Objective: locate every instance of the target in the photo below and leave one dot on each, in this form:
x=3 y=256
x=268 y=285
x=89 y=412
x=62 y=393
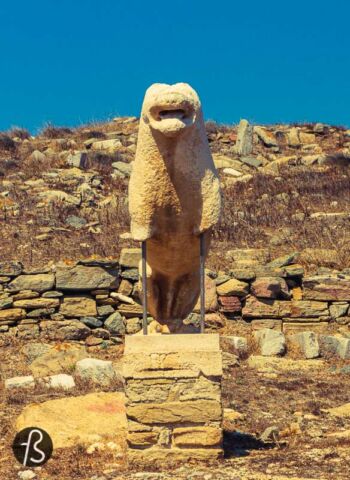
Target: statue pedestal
x=173 y=390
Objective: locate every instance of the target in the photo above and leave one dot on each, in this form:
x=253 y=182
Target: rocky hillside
x=63 y=193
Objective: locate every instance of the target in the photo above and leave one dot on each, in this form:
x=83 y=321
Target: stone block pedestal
x=173 y=397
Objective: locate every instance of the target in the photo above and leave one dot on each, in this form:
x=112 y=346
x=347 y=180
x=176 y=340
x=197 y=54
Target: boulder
x=307 y=342
x=98 y=372
x=82 y=420
x=338 y=346
x=271 y=342
x=77 y=159
x=61 y=381
x=38 y=283
x=111 y=146
x=18 y=383
x=122 y=169
x=293 y=137
x=267 y=137
x=244 y=144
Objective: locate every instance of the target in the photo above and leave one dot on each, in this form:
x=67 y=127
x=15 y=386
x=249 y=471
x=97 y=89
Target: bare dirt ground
x=309 y=443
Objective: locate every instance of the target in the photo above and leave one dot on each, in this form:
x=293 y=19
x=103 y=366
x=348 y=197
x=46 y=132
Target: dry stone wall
x=98 y=300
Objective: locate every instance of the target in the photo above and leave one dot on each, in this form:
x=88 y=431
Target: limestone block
x=197 y=437
x=173 y=159
x=172 y=365
x=165 y=389
x=196 y=411
x=171 y=344
x=142 y=439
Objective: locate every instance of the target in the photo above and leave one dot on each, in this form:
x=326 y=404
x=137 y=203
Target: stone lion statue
x=174 y=196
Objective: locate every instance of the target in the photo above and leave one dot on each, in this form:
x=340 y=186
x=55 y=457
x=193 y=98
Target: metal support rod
x=144 y=289
x=202 y=280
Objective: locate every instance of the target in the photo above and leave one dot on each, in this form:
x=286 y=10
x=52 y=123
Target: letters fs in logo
x=32 y=447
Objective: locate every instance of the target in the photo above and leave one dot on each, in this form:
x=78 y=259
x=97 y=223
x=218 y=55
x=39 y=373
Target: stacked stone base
x=173 y=390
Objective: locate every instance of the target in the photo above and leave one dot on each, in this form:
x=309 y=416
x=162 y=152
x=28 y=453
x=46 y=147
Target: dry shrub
x=340 y=159
x=6 y=143
x=17 y=132
x=50 y=131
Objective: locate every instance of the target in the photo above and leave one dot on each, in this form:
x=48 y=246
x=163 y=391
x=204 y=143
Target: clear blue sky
x=73 y=61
